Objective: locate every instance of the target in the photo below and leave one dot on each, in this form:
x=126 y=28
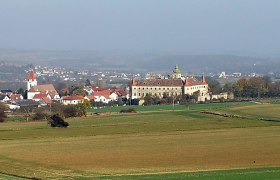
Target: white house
x=4 y=98
x=13 y=106
x=66 y=100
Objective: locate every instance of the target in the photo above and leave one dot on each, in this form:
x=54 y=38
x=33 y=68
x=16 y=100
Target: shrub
x=70 y=111
x=57 y=121
x=3 y=115
x=40 y=114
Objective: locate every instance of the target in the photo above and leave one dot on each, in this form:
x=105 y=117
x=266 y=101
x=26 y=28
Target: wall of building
x=141 y=91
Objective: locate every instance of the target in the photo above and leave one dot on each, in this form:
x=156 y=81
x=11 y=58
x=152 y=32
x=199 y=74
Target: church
x=45 y=92
x=176 y=85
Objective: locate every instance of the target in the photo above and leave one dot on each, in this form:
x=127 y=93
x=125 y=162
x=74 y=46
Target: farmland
x=156 y=142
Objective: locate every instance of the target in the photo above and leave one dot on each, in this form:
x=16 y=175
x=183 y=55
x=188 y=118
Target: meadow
x=156 y=142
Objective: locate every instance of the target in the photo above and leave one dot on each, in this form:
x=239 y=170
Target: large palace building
x=175 y=86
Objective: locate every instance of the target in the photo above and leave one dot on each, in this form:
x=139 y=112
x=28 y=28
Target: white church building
x=45 y=92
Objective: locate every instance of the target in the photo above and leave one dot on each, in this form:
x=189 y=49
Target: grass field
x=256 y=174
x=158 y=108
x=150 y=144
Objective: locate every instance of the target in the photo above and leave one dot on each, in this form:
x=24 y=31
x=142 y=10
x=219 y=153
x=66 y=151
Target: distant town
x=72 y=86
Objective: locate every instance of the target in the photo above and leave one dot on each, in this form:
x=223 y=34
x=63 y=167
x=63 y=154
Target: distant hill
x=142 y=62
x=212 y=63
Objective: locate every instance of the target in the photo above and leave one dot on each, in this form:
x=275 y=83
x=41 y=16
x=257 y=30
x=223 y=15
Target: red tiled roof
x=43 y=88
x=40 y=96
x=118 y=93
x=160 y=82
x=189 y=81
x=46 y=100
x=105 y=93
x=192 y=81
x=70 y=98
x=15 y=97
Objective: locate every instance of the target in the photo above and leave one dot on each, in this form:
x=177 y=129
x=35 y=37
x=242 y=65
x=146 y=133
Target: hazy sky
x=192 y=26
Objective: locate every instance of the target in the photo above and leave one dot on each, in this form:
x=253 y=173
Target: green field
x=156 y=143
x=260 y=173
x=176 y=107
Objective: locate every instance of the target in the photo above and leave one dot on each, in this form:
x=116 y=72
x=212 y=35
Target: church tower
x=31 y=79
x=176 y=73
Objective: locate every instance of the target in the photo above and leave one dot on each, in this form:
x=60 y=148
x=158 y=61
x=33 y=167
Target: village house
x=4 y=98
x=16 y=97
x=72 y=100
x=106 y=95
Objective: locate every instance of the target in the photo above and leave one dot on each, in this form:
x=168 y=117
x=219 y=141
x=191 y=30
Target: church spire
x=203 y=80
x=31 y=79
x=176 y=72
x=31 y=75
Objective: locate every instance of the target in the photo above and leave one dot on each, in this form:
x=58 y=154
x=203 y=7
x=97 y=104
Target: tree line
x=254 y=87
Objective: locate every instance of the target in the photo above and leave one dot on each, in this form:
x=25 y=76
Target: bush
x=128 y=110
x=70 y=111
x=57 y=121
x=40 y=114
x=3 y=115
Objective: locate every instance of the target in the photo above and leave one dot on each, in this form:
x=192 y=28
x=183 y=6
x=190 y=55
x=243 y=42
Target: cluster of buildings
x=68 y=75
x=46 y=93
x=10 y=98
x=172 y=85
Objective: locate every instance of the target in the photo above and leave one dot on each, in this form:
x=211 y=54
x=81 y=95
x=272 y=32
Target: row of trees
x=254 y=87
x=44 y=113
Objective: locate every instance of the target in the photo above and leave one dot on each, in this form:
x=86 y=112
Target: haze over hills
x=142 y=62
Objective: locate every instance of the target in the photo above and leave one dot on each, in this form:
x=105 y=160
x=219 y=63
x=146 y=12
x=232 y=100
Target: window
x=139 y=94
x=143 y=88
x=155 y=88
x=134 y=88
x=159 y=88
x=134 y=94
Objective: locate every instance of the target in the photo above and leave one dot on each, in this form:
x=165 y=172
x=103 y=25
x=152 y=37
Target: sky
x=247 y=27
